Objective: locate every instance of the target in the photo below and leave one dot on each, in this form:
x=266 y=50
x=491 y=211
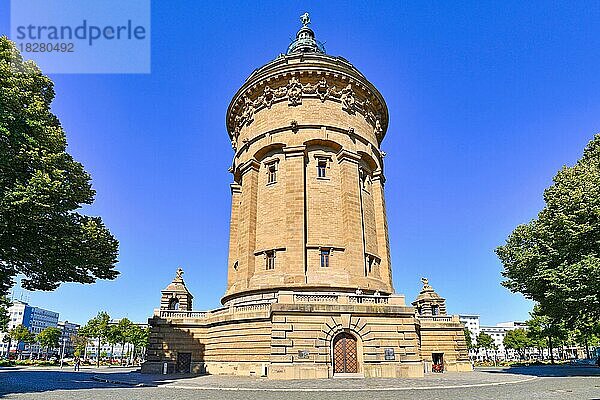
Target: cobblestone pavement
x=546 y=383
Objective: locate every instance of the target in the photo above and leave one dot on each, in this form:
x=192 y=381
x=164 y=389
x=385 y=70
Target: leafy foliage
x=49 y=337
x=79 y=343
x=484 y=341
x=41 y=186
x=4 y=316
x=516 y=339
x=97 y=328
x=555 y=259
x=468 y=339
x=545 y=331
x=21 y=334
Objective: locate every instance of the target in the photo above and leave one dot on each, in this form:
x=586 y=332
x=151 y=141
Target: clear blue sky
x=487 y=101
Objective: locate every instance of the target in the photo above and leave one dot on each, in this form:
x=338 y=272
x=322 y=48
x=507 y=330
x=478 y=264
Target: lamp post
x=62 y=352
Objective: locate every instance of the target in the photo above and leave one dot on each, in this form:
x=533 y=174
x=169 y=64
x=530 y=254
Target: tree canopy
x=49 y=337
x=21 y=334
x=516 y=339
x=555 y=259
x=4 y=316
x=485 y=341
x=97 y=327
x=41 y=186
x=468 y=339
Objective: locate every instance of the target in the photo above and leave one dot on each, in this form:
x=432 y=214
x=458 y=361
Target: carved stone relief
x=295 y=90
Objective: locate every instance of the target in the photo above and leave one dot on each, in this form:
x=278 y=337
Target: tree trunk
x=10 y=344
x=122 y=352
x=112 y=352
x=587 y=348
x=551 y=349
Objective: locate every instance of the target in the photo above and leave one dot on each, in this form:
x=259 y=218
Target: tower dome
x=305 y=39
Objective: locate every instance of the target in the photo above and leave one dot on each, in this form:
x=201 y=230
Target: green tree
x=544 y=330
x=79 y=343
x=139 y=339
x=113 y=336
x=41 y=186
x=21 y=334
x=486 y=342
x=516 y=340
x=125 y=328
x=49 y=338
x=468 y=339
x=4 y=316
x=7 y=339
x=555 y=259
x=97 y=328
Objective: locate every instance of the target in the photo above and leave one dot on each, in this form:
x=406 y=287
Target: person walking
x=77 y=363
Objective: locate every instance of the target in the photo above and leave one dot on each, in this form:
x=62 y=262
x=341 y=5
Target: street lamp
x=62 y=351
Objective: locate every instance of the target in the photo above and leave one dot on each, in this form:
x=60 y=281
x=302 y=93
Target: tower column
x=383 y=240
x=236 y=194
x=247 y=225
x=295 y=215
x=354 y=253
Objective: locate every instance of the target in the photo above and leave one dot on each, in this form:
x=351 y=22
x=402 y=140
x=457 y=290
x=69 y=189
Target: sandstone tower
x=309 y=291
x=308 y=209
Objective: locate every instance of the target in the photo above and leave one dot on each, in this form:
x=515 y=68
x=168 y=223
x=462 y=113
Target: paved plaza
x=546 y=382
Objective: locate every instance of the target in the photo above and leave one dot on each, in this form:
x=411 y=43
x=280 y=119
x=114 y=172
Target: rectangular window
x=271 y=173
x=270 y=260
x=324 y=258
x=370 y=261
x=321 y=168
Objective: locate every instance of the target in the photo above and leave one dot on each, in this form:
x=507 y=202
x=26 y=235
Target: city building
x=67 y=331
x=497 y=332
x=309 y=289
x=35 y=319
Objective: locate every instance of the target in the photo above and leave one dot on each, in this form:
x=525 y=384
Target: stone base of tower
x=299 y=335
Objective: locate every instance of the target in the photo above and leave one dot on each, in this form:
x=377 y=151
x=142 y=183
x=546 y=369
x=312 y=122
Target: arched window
x=174 y=304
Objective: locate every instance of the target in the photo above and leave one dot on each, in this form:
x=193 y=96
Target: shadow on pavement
x=30 y=380
x=556 y=371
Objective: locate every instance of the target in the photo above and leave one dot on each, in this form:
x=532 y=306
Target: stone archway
x=345 y=354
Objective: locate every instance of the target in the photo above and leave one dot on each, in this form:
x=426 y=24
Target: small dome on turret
x=305 y=39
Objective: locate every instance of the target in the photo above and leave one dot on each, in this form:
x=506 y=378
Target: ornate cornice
x=297 y=77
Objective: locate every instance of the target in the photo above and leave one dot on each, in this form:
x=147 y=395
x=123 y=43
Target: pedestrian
x=77 y=363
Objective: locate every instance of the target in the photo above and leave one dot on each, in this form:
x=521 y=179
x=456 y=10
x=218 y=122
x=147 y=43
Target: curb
x=369 y=389
x=117 y=382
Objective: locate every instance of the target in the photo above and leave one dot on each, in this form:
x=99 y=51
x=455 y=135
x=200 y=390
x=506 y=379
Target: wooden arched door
x=345 y=357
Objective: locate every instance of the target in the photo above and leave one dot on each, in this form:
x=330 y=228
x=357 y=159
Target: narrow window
x=325 y=258
x=271 y=173
x=270 y=260
x=321 y=168
x=435 y=310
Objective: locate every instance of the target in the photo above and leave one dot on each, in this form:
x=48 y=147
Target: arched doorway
x=345 y=355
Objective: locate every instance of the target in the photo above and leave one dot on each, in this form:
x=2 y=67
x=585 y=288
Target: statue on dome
x=305 y=18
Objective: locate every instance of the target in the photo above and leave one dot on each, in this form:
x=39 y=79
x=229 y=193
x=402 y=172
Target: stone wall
x=444 y=334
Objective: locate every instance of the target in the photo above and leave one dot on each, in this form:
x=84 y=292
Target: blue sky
x=487 y=101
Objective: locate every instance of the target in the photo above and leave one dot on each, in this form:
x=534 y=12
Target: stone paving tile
x=550 y=383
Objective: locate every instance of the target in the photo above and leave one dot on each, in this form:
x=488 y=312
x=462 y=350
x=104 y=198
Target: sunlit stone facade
x=309 y=292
